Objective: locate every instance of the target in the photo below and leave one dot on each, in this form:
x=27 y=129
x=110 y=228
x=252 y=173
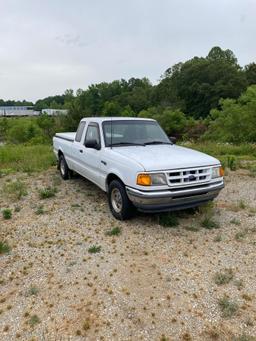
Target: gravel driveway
x=67 y=278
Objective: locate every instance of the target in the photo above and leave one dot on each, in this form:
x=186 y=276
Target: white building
x=14 y=111
x=54 y=112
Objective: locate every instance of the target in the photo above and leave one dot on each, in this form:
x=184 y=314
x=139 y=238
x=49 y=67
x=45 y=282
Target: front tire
x=119 y=203
x=63 y=168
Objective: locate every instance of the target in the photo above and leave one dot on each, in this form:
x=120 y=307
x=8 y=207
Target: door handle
x=81 y=151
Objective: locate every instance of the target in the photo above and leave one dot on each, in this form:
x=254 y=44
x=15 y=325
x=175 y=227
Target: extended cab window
x=79 y=132
x=93 y=133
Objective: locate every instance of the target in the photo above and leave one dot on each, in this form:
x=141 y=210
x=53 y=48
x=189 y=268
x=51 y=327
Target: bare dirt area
x=73 y=272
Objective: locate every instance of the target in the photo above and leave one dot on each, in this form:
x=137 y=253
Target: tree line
x=205 y=97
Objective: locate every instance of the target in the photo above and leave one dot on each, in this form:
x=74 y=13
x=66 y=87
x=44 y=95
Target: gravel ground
x=148 y=283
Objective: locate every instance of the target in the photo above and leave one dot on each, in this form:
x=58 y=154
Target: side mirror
x=172 y=139
x=92 y=144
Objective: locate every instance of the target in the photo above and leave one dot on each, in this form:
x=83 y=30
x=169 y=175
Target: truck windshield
x=133 y=132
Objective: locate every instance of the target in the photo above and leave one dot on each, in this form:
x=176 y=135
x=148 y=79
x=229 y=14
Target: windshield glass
x=133 y=132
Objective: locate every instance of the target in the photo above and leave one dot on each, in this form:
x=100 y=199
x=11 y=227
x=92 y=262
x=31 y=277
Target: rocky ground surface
x=149 y=282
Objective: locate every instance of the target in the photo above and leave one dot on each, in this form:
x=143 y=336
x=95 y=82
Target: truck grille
x=189 y=176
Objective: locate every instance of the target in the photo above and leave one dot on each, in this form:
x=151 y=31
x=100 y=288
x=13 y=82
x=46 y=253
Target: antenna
x=111 y=125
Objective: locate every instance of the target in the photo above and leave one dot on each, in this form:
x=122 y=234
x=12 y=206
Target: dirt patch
x=147 y=283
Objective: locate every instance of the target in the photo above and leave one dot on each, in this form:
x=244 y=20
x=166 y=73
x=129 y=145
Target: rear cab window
x=80 y=131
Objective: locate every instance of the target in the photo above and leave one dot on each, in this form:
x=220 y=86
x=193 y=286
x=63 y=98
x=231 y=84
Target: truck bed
x=70 y=136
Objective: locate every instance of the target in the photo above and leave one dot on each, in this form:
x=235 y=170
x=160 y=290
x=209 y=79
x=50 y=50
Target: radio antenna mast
x=111 y=126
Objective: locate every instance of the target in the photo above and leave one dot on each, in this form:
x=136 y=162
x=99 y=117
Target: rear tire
x=63 y=168
x=119 y=203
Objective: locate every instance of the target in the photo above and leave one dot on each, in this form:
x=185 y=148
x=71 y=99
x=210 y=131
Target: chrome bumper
x=171 y=200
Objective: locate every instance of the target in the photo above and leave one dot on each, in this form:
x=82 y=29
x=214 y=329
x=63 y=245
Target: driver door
x=90 y=158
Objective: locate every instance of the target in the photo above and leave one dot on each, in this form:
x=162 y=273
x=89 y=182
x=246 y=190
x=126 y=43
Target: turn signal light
x=144 y=179
x=222 y=171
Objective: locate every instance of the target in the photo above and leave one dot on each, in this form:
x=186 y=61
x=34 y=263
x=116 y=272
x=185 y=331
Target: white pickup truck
x=137 y=165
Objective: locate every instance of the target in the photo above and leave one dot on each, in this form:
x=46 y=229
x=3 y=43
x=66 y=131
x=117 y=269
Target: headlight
x=217 y=172
x=156 y=179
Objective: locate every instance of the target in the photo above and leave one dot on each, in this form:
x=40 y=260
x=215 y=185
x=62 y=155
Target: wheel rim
x=116 y=200
x=62 y=167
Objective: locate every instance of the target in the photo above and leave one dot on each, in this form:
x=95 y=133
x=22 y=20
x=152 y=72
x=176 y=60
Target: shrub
x=47 y=192
x=228 y=307
x=209 y=223
x=224 y=277
x=7 y=213
x=34 y=319
x=15 y=189
x=232 y=163
x=94 y=249
x=4 y=248
x=168 y=220
x=115 y=231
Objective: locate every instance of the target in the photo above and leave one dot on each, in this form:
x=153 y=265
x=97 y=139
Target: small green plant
x=115 y=231
x=4 y=248
x=239 y=284
x=232 y=163
x=218 y=238
x=168 y=220
x=224 y=277
x=15 y=189
x=244 y=337
x=228 y=307
x=47 y=192
x=242 y=204
x=94 y=249
x=40 y=210
x=209 y=223
x=7 y=213
x=34 y=319
x=192 y=227
x=235 y=221
x=33 y=291
x=240 y=235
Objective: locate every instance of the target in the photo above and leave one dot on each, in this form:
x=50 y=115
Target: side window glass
x=92 y=134
x=79 y=132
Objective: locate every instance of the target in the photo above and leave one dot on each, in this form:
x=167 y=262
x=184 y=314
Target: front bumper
x=171 y=200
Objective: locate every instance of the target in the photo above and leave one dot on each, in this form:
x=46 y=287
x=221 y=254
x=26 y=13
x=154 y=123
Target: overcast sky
x=51 y=45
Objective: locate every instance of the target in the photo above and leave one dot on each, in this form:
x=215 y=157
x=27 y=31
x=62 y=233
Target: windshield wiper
x=126 y=144
x=157 y=142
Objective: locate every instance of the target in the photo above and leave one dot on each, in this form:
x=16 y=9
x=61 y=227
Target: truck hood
x=166 y=157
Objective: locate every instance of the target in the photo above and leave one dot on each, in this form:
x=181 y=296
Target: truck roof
x=102 y=119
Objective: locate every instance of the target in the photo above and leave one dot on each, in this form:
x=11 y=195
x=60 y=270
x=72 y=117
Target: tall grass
x=25 y=158
x=220 y=150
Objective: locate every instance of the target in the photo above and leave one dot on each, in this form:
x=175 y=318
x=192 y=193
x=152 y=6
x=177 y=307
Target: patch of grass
x=47 y=192
x=232 y=163
x=7 y=213
x=242 y=205
x=34 y=320
x=15 y=189
x=4 y=248
x=209 y=223
x=228 y=307
x=224 y=277
x=40 y=210
x=240 y=235
x=168 y=220
x=115 y=231
x=235 y=221
x=245 y=151
x=244 y=337
x=94 y=249
x=26 y=158
x=33 y=291
x=218 y=238
x=193 y=228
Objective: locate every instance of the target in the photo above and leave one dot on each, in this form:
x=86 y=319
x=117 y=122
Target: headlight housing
x=154 y=179
x=217 y=172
